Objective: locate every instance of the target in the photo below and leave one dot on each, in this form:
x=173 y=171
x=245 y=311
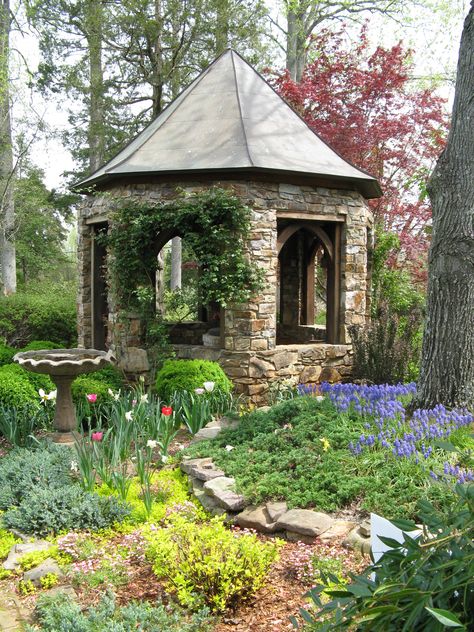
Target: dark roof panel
x=230 y=118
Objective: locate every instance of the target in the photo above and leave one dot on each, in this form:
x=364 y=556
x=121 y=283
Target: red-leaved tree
x=367 y=107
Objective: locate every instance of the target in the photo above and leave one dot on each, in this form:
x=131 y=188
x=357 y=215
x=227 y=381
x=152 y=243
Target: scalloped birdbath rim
x=67 y=362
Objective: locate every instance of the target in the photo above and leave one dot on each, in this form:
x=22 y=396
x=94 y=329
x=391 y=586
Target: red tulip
x=97 y=436
x=166 y=411
x=91 y=398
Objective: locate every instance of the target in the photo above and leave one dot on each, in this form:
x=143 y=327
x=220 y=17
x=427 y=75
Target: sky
x=433 y=35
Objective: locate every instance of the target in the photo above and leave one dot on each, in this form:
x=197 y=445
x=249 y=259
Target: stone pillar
x=354 y=272
x=252 y=326
x=84 y=298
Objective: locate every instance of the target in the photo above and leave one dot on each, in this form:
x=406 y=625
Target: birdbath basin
x=63 y=366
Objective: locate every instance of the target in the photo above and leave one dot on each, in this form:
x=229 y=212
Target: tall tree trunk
x=94 y=25
x=447 y=369
x=222 y=26
x=296 y=45
x=176 y=248
x=7 y=208
x=157 y=76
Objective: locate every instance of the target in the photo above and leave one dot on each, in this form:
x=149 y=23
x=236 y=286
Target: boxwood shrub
x=39 y=345
x=86 y=384
x=6 y=354
x=186 y=375
x=16 y=389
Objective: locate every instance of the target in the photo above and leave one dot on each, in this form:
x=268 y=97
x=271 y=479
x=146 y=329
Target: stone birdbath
x=63 y=366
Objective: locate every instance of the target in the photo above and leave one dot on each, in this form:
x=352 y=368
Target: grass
x=298 y=452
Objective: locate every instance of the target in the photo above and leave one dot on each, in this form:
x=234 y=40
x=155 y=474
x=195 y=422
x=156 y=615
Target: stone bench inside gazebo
x=311 y=231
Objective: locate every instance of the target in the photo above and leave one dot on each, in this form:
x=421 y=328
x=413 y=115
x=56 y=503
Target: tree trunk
x=94 y=24
x=296 y=46
x=176 y=247
x=157 y=75
x=222 y=26
x=447 y=368
x=7 y=209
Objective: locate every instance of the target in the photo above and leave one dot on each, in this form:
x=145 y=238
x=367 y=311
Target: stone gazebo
x=311 y=228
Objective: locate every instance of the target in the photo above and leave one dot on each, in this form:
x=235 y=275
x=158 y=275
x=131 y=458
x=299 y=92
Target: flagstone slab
x=256 y=518
x=305 y=522
x=223 y=489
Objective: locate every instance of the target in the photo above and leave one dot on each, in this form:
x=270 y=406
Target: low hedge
x=186 y=375
x=16 y=389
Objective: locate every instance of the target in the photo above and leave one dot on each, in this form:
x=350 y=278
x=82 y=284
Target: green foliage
x=280 y=455
x=216 y=225
x=39 y=497
x=110 y=375
x=186 y=375
x=60 y=613
x=26 y=587
x=391 y=285
x=6 y=354
x=169 y=489
x=49 y=580
x=7 y=540
x=41 y=232
x=422 y=584
x=45 y=313
x=4 y=574
x=209 y=563
x=35 y=558
x=18 y=425
x=23 y=470
x=40 y=345
x=49 y=511
x=85 y=385
x=16 y=390
x=387 y=350
x=37 y=380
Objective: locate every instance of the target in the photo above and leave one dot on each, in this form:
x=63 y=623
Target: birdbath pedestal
x=63 y=366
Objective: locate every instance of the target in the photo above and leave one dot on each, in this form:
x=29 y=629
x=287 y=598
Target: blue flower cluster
x=388 y=426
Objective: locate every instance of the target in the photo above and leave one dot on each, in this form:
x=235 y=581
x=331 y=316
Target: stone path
x=217 y=494
x=11 y=613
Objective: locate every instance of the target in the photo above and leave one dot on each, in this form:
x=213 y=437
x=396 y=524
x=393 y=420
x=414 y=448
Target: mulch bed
x=270 y=609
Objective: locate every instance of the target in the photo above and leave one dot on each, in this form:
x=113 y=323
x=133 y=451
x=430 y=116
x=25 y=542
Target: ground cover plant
x=353 y=447
x=60 y=613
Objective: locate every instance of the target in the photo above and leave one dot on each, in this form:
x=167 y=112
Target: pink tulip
x=97 y=436
x=91 y=398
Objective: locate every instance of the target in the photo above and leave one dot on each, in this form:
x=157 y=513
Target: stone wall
x=250 y=355
x=254 y=373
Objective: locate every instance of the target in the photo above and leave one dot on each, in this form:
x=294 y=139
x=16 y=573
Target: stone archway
x=297 y=245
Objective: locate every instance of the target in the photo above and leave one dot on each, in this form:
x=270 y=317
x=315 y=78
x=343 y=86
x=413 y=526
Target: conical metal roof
x=230 y=119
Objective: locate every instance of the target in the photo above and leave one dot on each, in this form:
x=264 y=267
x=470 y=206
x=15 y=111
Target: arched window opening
x=308 y=295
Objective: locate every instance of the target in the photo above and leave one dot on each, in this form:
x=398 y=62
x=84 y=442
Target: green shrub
x=40 y=345
x=48 y=511
x=60 y=613
x=84 y=385
x=387 y=350
x=23 y=470
x=209 y=563
x=37 y=380
x=110 y=375
x=422 y=584
x=7 y=540
x=6 y=354
x=16 y=389
x=43 y=316
x=186 y=375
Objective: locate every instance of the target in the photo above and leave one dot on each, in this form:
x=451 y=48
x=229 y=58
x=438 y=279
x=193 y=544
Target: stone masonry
x=249 y=354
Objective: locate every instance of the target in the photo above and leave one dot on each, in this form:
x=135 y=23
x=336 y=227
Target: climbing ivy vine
x=216 y=225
